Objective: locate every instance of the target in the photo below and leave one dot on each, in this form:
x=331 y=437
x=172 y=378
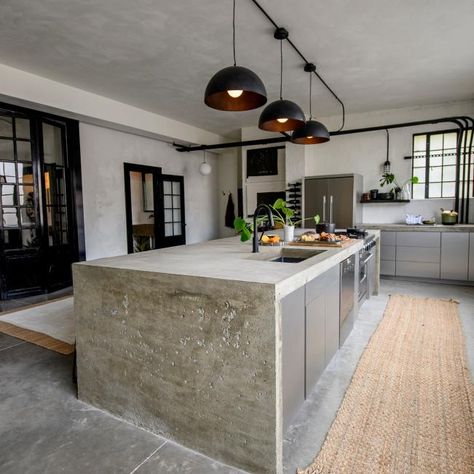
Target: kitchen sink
x=287 y=255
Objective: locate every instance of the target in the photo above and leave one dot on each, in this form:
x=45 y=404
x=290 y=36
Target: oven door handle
x=364 y=262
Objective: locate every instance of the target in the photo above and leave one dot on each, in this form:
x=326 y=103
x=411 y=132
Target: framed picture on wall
x=262 y=162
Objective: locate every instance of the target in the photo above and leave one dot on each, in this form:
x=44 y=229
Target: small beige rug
x=409 y=407
x=49 y=324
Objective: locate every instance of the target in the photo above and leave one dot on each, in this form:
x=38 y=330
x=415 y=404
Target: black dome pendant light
x=281 y=115
x=235 y=88
x=313 y=132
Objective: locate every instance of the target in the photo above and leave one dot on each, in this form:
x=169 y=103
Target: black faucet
x=260 y=207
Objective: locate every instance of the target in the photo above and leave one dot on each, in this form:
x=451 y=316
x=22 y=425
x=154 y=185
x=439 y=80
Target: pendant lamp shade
x=235 y=88
x=281 y=116
x=311 y=133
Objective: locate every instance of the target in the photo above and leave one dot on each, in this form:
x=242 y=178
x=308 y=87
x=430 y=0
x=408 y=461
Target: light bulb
x=282 y=120
x=205 y=168
x=309 y=137
x=235 y=93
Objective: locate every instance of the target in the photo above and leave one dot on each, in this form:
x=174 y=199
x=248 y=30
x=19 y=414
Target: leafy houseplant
x=285 y=215
x=389 y=178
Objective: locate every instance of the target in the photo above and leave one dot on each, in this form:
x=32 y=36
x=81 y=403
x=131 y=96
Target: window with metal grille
x=434 y=163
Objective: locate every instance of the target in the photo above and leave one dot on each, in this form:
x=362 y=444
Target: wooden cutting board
x=323 y=243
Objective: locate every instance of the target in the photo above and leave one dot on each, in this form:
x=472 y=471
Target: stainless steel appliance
x=347 y=300
x=366 y=269
x=336 y=196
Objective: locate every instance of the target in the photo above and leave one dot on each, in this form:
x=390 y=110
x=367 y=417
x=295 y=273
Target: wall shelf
x=385 y=201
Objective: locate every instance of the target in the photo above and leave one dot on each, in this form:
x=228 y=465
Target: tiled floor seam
x=14 y=345
x=149 y=457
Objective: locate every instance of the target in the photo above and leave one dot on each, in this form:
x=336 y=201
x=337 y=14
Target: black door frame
x=157 y=198
x=73 y=185
x=178 y=239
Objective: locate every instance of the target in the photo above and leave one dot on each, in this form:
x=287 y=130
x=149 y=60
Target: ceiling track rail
x=300 y=54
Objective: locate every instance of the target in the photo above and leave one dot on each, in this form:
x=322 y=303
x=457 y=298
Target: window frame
x=427 y=166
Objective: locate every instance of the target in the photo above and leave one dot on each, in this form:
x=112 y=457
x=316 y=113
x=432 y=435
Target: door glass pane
x=26 y=195
x=29 y=238
x=176 y=202
x=177 y=229
x=23 y=151
x=168 y=215
x=143 y=219
x=7 y=173
x=8 y=194
x=6 y=150
x=10 y=217
x=22 y=128
x=168 y=202
x=168 y=230
x=52 y=145
x=27 y=216
x=177 y=215
x=6 y=129
x=167 y=187
x=176 y=188
x=25 y=173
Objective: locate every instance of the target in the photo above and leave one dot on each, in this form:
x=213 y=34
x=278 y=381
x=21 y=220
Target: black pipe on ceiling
x=300 y=54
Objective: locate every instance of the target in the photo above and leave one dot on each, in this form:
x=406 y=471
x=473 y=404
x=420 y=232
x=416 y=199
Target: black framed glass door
x=39 y=235
x=154 y=205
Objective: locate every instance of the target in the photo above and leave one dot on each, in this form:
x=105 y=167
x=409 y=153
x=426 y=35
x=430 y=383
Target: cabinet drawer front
x=315 y=287
x=418 y=269
x=418 y=254
x=388 y=238
x=419 y=239
x=387 y=267
x=387 y=252
x=455 y=255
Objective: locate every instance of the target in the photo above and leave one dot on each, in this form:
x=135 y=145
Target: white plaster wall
x=23 y=88
x=227 y=166
x=103 y=152
x=364 y=153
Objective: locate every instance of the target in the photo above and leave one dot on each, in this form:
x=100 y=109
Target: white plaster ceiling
x=159 y=54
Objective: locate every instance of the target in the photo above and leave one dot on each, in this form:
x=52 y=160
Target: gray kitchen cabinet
x=454 y=255
x=418 y=254
x=471 y=257
x=293 y=353
x=322 y=324
x=388 y=251
x=388 y=238
x=419 y=239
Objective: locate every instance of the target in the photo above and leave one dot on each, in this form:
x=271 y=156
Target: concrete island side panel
x=189 y=358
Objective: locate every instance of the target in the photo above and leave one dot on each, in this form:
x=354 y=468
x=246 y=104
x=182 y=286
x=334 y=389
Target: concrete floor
x=44 y=428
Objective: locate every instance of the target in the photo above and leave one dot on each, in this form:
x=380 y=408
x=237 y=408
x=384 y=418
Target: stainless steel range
x=355 y=273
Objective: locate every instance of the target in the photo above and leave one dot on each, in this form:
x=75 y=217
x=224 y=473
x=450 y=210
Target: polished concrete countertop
x=231 y=260
x=419 y=227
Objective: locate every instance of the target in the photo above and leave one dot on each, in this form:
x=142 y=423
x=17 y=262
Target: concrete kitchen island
x=187 y=342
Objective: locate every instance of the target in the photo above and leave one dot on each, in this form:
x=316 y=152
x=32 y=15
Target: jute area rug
x=409 y=407
x=49 y=324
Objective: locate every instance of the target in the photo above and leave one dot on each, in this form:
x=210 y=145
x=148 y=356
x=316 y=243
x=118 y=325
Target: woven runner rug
x=409 y=407
x=49 y=324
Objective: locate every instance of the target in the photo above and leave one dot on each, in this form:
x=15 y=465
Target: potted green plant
x=400 y=190
x=283 y=214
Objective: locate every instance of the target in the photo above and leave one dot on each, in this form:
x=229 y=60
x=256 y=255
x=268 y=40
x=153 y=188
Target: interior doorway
x=41 y=224
x=154 y=205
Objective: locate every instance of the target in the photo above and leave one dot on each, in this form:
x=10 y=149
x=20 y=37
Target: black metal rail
x=300 y=54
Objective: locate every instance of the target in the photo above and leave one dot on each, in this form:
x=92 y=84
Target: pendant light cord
x=281 y=69
x=388 y=142
x=233 y=30
x=310 y=95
